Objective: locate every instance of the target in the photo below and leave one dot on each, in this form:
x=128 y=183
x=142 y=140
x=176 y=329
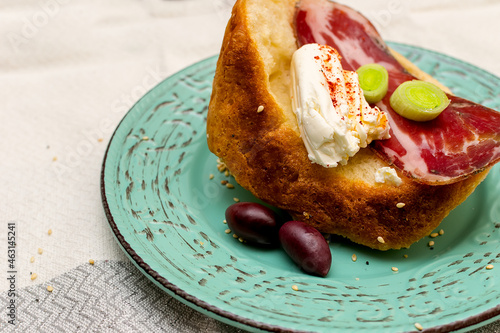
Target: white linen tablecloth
x=69 y=71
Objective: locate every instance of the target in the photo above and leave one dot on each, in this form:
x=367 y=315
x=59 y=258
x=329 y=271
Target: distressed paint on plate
x=167 y=214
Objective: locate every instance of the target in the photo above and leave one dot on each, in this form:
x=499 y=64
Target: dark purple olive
x=253 y=222
x=307 y=247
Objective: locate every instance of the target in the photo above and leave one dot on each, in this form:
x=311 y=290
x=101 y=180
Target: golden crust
x=266 y=155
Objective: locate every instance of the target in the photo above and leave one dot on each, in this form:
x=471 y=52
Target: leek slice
x=374 y=80
x=419 y=100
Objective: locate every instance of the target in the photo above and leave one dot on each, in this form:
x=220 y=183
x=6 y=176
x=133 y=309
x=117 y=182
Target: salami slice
x=464 y=139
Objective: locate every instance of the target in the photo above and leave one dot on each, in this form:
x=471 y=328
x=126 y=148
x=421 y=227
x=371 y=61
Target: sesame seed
x=441 y=232
x=211 y=176
x=32 y=259
x=50 y=289
x=380 y=239
x=236 y=200
x=33 y=276
x=100 y=139
x=241 y=240
x=145 y=138
x=40 y=251
x=294 y=287
x=260 y=108
x=354 y=257
x=418 y=326
x=229 y=185
x=235 y=236
x=490 y=266
x=434 y=235
x=394 y=269
x=400 y=204
x=223 y=182
x=227 y=231
x=221 y=166
x=431 y=243
x=91 y=261
x=49 y=232
x=225 y=222
x=226 y=173
x=405 y=256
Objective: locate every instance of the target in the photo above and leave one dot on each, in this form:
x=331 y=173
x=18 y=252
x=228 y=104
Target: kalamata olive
x=253 y=222
x=306 y=246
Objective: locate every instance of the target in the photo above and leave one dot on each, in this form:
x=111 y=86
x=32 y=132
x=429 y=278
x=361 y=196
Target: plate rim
x=215 y=311
x=443 y=55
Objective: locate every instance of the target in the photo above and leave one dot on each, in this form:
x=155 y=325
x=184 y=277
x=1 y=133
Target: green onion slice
x=374 y=80
x=419 y=100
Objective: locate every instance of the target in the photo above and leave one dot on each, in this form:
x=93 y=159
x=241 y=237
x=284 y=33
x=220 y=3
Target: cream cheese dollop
x=387 y=175
x=334 y=119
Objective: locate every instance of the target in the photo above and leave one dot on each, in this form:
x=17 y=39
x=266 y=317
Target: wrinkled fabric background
x=69 y=71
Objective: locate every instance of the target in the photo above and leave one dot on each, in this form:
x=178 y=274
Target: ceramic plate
x=168 y=214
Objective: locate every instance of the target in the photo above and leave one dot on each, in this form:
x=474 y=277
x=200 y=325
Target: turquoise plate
x=168 y=214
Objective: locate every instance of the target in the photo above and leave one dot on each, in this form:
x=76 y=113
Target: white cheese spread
x=334 y=119
x=387 y=175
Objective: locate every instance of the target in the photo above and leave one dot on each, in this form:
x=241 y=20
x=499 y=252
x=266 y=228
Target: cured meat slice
x=463 y=140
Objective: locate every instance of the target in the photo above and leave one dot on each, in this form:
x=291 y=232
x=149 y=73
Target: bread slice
x=266 y=155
